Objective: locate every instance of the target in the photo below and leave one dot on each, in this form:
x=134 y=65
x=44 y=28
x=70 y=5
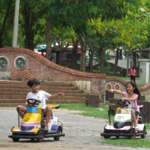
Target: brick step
x=16 y=95
x=4 y=100
x=16 y=91
x=24 y=93
x=22 y=84
x=52 y=102
x=67 y=93
x=46 y=89
x=24 y=96
x=22 y=102
x=41 y=87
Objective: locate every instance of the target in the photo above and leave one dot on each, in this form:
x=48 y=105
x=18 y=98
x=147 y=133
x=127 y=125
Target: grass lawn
x=126 y=79
x=101 y=112
x=123 y=78
x=128 y=142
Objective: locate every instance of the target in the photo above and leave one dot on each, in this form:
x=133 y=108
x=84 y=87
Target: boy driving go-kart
x=38 y=120
x=40 y=95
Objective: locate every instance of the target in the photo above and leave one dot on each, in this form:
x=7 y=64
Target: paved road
x=81 y=133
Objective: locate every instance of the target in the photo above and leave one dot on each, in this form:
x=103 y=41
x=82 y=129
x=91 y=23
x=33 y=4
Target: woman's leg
x=131 y=78
x=134 y=78
x=134 y=118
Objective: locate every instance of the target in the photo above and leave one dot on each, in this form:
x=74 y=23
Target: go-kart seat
x=140 y=107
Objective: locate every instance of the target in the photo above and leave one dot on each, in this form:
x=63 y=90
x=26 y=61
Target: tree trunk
x=101 y=56
x=134 y=59
x=127 y=63
x=83 y=48
x=74 y=55
x=48 y=39
x=28 y=25
x=91 y=61
x=4 y=21
x=116 y=62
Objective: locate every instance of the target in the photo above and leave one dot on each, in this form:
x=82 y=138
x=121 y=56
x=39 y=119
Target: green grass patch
x=128 y=142
x=147 y=126
x=123 y=78
x=139 y=86
x=101 y=112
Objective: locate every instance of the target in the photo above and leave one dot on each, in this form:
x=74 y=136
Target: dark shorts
x=136 y=112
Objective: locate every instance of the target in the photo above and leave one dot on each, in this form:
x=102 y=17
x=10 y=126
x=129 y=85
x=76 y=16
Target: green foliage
x=105 y=24
x=6 y=22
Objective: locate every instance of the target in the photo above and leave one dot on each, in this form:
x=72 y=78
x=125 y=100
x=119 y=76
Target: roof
x=121 y=63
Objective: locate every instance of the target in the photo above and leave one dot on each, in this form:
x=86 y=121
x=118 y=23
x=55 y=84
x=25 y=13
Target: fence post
x=92 y=100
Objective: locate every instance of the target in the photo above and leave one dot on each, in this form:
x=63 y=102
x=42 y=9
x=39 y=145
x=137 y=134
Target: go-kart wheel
x=15 y=139
x=56 y=138
x=41 y=133
x=32 y=140
x=132 y=131
x=144 y=133
x=107 y=137
x=117 y=137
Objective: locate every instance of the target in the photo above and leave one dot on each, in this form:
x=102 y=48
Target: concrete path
x=81 y=133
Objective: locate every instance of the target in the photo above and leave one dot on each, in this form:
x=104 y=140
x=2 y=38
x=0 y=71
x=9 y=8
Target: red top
x=133 y=72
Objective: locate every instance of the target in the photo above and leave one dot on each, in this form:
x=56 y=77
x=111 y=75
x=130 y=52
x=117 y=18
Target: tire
x=144 y=134
x=107 y=137
x=15 y=139
x=41 y=133
x=56 y=138
x=132 y=131
x=117 y=137
x=32 y=140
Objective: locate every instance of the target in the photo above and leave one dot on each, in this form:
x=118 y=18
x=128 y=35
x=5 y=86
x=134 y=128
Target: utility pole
x=16 y=20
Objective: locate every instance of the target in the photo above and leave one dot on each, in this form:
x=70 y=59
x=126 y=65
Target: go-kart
x=32 y=125
x=123 y=123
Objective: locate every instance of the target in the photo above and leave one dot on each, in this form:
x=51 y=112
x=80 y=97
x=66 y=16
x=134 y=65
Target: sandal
x=46 y=128
x=136 y=129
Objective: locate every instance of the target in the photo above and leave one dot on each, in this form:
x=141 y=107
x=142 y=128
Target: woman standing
x=132 y=74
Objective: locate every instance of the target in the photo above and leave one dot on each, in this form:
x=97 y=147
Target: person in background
x=132 y=74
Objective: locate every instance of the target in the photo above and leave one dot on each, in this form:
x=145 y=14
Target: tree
x=29 y=17
x=80 y=12
x=6 y=12
x=55 y=13
x=110 y=24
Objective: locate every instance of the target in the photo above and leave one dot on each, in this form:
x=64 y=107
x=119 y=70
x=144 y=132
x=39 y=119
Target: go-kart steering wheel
x=123 y=103
x=33 y=102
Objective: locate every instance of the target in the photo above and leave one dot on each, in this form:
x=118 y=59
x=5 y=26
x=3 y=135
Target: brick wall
x=39 y=67
x=113 y=82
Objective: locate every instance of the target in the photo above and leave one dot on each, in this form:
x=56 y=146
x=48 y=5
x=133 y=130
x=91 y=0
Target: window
x=3 y=62
x=20 y=63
